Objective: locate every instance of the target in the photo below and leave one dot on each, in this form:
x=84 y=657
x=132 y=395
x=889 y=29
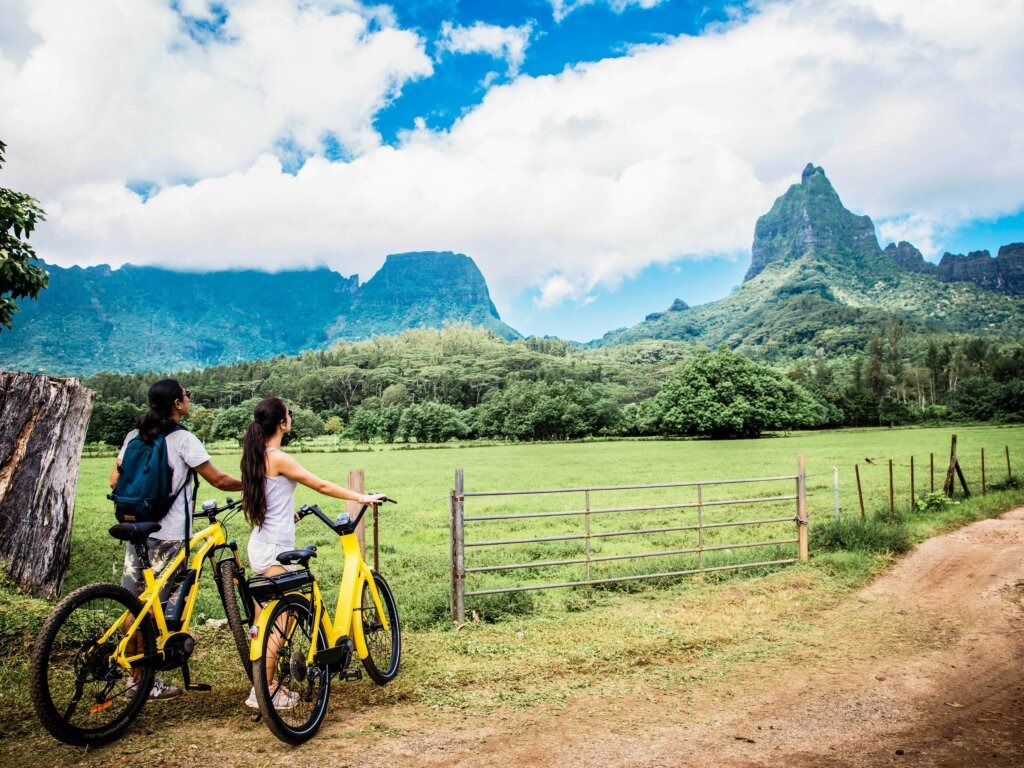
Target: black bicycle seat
x=300 y=556
x=134 y=532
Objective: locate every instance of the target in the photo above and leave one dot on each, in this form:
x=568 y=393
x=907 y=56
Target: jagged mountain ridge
x=146 y=318
x=1003 y=273
x=819 y=280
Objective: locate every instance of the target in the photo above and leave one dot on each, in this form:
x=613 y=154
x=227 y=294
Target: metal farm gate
x=695 y=519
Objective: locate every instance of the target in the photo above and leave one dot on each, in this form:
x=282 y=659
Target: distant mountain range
x=145 y=318
x=818 y=280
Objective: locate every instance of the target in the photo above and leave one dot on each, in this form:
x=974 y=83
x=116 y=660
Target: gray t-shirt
x=184 y=450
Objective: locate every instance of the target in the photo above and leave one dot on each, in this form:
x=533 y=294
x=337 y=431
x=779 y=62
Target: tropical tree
x=369 y=425
x=722 y=394
x=111 y=421
x=231 y=423
x=431 y=422
x=20 y=278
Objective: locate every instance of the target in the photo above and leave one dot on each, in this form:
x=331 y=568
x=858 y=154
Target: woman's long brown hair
x=268 y=414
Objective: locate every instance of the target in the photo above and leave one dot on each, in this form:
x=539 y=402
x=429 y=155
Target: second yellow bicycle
x=297 y=647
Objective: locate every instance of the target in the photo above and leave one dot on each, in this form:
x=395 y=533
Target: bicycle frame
x=355 y=574
x=202 y=545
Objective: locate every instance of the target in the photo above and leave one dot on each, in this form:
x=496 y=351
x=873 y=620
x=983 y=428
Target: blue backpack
x=142 y=493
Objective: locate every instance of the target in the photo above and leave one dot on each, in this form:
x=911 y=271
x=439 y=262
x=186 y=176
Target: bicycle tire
x=384 y=647
x=231 y=599
x=290 y=627
x=81 y=696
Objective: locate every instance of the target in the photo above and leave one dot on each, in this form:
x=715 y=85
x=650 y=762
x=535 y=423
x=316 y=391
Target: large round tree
x=722 y=394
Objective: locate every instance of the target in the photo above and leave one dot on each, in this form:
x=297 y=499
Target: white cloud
x=506 y=43
x=917 y=230
x=120 y=91
x=557 y=290
x=562 y=8
x=561 y=183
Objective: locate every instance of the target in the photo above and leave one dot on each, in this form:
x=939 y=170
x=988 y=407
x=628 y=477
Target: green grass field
x=668 y=635
x=415 y=533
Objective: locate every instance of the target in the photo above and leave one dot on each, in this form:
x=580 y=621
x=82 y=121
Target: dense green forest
x=463 y=383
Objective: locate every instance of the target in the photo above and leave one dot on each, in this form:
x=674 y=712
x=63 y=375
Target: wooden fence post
x=983 y=488
x=42 y=430
x=835 y=485
x=912 y=483
x=458 y=567
x=356 y=482
x=1009 y=472
x=892 y=496
x=947 y=484
x=931 y=467
x=801 y=507
x=860 y=493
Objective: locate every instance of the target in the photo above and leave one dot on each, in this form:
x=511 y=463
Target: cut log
x=42 y=430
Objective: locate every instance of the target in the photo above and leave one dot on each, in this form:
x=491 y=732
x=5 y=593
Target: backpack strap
x=195 y=490
x=188 y=511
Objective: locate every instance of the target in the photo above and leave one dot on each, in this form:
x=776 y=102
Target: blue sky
x=596 y=158
x=590 y=33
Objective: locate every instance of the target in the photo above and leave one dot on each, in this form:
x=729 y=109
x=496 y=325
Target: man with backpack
x=143 y=490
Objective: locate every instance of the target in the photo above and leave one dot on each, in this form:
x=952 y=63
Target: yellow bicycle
x=297 y=647
x=99 y=650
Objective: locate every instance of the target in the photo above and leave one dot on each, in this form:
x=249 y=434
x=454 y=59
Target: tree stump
x=42 y=430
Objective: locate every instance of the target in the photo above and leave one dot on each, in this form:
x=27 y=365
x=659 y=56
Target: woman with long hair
x=269 y=477
x=168 y=403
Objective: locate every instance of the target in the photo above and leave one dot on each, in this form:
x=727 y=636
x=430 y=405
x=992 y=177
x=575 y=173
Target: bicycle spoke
x=77 y=686
x=383 y=646
x=294 y=702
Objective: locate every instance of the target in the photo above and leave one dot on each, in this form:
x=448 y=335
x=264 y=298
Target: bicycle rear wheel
x=292 y=695
x=234 y=610
x=384 y=646
x=81 y=694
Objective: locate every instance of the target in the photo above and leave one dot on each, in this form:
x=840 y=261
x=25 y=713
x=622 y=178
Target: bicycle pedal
x=198 y=687
x=351 y=674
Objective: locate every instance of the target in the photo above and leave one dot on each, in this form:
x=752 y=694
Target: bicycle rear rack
x=266 y=588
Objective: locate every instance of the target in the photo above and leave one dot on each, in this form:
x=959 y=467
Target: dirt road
x=925 y=668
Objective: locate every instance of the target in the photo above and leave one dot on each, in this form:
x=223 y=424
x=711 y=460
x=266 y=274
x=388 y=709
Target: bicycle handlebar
x=339 y=527
x=211 y=510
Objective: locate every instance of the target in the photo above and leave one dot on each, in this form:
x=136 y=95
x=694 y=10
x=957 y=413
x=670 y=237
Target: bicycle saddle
x=134 y=532
x=300 y=556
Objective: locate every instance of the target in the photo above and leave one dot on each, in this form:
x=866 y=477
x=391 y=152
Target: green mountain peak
x=810 y=220
x=818 y=283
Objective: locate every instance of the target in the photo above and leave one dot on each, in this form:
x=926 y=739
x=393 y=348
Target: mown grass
x=538 y=646
x=415 y=533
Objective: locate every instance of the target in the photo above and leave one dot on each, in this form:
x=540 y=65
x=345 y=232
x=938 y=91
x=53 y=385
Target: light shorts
x=161 y=553
x=263 y=556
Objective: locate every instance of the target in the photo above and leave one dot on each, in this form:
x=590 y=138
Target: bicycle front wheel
x=234 y=610
x=81 y=694
x=292 y=694
x=384 y=646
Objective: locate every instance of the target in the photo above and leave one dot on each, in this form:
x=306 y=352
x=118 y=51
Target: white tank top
x=279 y=525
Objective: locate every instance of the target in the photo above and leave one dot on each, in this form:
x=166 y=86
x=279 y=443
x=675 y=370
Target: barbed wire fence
x=910 y=479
